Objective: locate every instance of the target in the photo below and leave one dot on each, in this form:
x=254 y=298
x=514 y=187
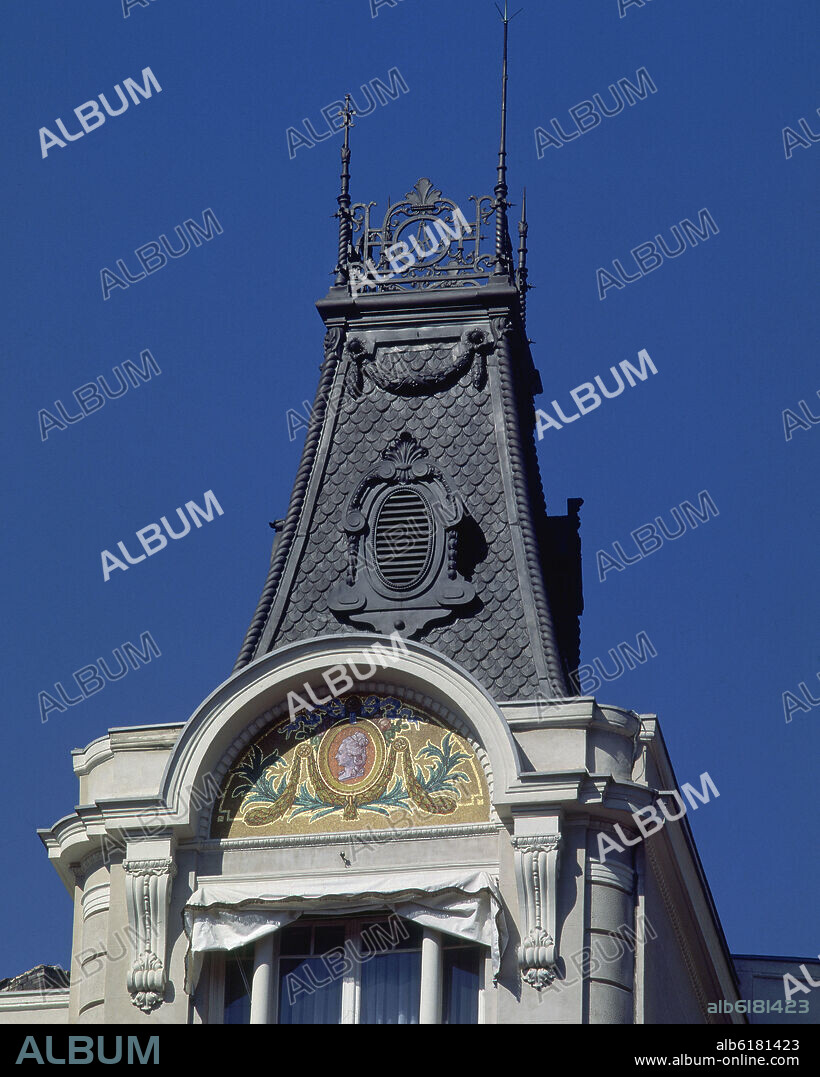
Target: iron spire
x=345 y=226
x=503 y=248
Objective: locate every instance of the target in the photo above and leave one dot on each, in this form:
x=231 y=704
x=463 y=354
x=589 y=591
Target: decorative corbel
x=536 y=865
x=358 y=352
x=502 y=327
x=148 y=896
x=334 y=339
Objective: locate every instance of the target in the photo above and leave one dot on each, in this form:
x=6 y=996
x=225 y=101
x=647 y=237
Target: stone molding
x=680 y=934
x=612 y=874
x=352 y=837
x=96 y=899
x=30 y=1001
x=264 y=683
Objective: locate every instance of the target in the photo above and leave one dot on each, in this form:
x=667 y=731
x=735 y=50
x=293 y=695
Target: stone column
x=431 y=977
x=261 y=985
x=89 y=964
x=610 y=964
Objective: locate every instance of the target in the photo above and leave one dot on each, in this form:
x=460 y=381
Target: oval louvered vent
x=403 y=539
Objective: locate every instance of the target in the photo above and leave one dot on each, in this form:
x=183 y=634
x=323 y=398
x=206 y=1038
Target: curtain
x=391 y=988
x=301 y=1001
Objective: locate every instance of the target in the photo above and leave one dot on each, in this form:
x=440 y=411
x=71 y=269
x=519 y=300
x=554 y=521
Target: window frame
x=431 y=951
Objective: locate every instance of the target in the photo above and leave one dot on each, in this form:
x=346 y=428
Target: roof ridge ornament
x=424 y=241
x=404 y=452
x=423 y=193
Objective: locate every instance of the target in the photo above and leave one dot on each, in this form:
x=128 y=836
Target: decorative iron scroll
x=444 y=246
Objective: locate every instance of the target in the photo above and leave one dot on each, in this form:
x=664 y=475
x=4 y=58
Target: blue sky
x=730 y=325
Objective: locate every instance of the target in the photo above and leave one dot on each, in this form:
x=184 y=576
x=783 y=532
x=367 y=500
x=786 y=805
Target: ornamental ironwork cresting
x=431 y=227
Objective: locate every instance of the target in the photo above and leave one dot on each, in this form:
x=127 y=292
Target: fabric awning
x=224 y=914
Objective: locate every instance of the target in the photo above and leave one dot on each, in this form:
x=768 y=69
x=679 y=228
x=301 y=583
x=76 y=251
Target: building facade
x=397 y=809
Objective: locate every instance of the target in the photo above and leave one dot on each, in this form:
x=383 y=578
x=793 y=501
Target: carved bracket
x=536 y=864
x=148 y=896
x=334 y=340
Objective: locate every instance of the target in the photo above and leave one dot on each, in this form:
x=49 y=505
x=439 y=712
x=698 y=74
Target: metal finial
x=347 y=119
x=502 y=235
x=345 y=227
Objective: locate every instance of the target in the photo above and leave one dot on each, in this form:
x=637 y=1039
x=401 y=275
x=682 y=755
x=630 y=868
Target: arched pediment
x=424 y=717
x=366 y=758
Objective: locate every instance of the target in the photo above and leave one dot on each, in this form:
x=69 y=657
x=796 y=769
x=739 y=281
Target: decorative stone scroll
x=536 y=864
x=148 y=896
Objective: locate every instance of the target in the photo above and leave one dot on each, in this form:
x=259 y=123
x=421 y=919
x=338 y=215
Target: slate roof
x=520 y=635
x=40 y=978
x=458 y=426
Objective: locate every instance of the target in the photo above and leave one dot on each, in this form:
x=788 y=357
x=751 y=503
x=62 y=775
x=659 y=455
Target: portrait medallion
x=351 y=756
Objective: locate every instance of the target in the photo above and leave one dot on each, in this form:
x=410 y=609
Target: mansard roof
x=436 y=353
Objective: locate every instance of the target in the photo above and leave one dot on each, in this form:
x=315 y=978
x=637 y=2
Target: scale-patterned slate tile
x=457 y=428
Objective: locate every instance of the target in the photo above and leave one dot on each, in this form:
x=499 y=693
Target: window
x=373 y=970
x=461 y=982
x=307 y=994
x=238 y=976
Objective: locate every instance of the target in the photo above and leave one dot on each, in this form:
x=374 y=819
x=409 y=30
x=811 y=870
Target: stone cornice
x=144 y=738
x=353 y=837
x=97 y=752
x=599 y=793
x=76 y=841
x=339 y=303
x=28 y=1001
x=580 y=712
